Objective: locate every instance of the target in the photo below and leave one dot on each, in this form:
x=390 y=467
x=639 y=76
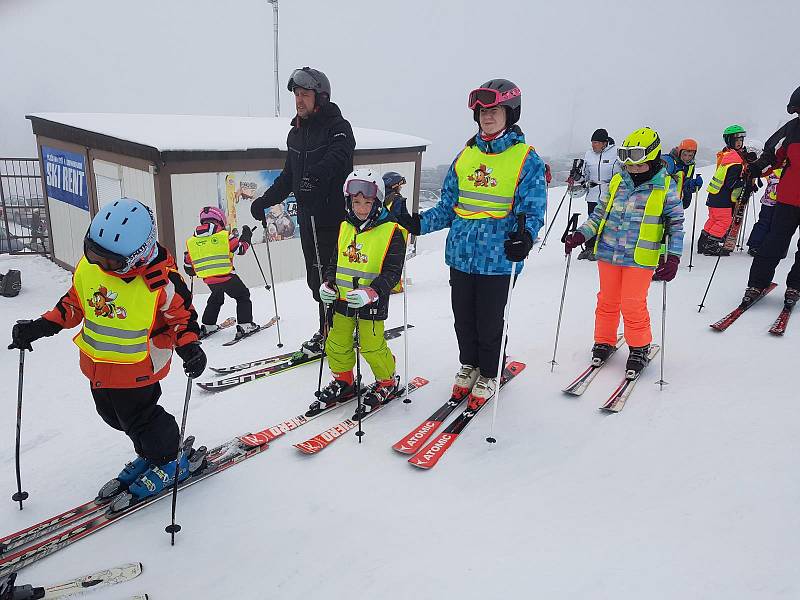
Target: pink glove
x=361 y=297
x=573 y=240
x=667 y=270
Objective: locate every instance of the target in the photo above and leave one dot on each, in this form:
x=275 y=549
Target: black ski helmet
x=794 y=102
x=513 y=105
x=391 y=179
x=311 y=79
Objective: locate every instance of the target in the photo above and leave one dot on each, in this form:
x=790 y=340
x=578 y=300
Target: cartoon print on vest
x=354 y=254
x=482 y=177
x=103 y=303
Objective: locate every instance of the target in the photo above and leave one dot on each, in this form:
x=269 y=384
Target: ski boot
x=482 y=392
x=245 y=329
x=465 y=379
x=126 y=477
x=751 y=294
x=341 y=389
x=380 y=393
x=314 y=346
x=790 y=298
x=702 y=242
x=601 y=352
x=207 y=330
x=638 y=359
x=716 y=247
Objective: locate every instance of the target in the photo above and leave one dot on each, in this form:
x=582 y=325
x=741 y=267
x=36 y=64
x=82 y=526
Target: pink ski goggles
x=488 y=98
x=358 y=186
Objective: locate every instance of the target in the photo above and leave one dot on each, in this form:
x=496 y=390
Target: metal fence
x=24 y=227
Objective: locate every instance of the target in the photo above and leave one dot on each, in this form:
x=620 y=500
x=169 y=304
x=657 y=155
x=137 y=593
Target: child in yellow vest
x=367 y=264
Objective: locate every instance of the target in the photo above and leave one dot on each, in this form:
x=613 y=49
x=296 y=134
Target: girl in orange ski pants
x=622 y=289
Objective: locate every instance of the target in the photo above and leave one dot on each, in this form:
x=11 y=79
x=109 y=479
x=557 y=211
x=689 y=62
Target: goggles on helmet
x=304 y=79
x=105 y=259
x=633 y=155
x=357 y=186
x=488 y=98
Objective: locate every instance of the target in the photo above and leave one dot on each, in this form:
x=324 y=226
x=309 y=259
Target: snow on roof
x=212 y=133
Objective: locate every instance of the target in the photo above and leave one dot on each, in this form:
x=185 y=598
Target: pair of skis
x=778 y=328
x=427 y=455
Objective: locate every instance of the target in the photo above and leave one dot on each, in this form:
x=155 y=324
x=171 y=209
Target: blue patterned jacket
x=475 y=246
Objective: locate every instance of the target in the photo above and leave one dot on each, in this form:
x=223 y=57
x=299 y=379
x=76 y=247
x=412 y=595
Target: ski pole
x=357 y=346
x=500 y=366
x=19 y=496
x=191 y=284
x=553 y=220
x=406 y=400
x=174 y=528
x=272 y=279
x=572 y=226
x=324 y=308
x=702 y=305
x=666 y=239
x=694 y=229
x=258 y=262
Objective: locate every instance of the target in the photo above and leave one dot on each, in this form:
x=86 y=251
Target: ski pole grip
x=572 y=225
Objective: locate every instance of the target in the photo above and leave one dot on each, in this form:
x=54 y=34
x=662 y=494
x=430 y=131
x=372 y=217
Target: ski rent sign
x=65 y=176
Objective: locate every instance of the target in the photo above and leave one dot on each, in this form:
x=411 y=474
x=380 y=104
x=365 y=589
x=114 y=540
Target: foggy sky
x=688 y=69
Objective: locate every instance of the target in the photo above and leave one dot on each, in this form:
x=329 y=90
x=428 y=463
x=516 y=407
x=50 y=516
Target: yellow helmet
x=643 y=145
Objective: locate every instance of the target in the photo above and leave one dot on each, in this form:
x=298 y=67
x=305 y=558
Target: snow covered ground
x=690 y=492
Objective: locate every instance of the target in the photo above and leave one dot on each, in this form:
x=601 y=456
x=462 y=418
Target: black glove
x=25 y=332
x=246 y=235
x=400 y=213
x=308 y=183
x=194 y=359
x=518 y=244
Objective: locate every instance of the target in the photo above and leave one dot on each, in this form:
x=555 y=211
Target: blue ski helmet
x=391 y=179
x=123 y=231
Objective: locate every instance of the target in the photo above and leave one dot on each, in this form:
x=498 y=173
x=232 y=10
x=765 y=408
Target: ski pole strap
x=572 y=225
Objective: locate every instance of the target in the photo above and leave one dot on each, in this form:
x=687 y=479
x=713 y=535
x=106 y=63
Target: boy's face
x=687 y=156
x=362 y=205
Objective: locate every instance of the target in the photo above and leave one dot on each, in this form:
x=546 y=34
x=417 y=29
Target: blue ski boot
x=126 y=477
x=156 y=479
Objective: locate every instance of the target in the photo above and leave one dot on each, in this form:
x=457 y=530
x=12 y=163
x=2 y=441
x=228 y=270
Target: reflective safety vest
x=210 y=254
x=361 y=254
x=725 y=161
x=117 y=316
x=681 y=176
x=651 y=233
x=487 y=182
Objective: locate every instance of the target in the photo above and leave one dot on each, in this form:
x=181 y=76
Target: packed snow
x=689 y=492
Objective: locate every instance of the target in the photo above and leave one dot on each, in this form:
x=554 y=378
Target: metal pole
x=661 y=382
x=357 y=344
x=553 y=221
x=324 y=308
x=174 y=528
x=694 y=229
x=272 y=279
x=572 y=225
x=275 y=39
x=19 y=496
x=406 y=400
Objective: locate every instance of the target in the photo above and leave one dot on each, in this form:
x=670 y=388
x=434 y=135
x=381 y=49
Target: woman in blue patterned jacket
x=496 y=178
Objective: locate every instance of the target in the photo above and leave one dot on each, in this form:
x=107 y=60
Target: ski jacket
x=234 y=245
x=174 y=324
x=770 y=196
x=617 y=242
x=475 y=246
x=598 y=169
x=726 y=185
x=782 y=149
x=681 y=173
x=321 y=149
x=384 y=236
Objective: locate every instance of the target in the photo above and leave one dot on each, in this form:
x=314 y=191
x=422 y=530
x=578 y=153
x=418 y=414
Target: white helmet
x=370 y=185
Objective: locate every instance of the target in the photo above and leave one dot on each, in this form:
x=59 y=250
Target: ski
x=238 y=339
x=617 y=400
x=779 y=326
x=581 y=383
x=219 y=459
x=430 y=454
x=737 y=312
x=326 y=438
x=229 y=322
x=389 y=334
x=227 y=383
x=106 y=577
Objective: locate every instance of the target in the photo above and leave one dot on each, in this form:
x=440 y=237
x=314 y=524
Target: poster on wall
x=65 y=176
x=237 y=190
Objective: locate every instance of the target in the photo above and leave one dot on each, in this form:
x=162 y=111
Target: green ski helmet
x=731 y=133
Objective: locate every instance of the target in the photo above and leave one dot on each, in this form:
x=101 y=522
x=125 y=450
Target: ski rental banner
x=65 y=176
x=235 y=192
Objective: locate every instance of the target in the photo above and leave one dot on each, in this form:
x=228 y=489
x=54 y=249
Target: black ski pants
x=327 y=238
x=135 y=411
x=478 y=304
x=591 y=206
x=236 y=289
x=785 y=221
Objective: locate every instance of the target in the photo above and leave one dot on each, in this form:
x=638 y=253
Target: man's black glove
x=400 y=213
x=308 y=183
x=518 y=244
x=247 y=235
x=194 y=359
x=25 y=332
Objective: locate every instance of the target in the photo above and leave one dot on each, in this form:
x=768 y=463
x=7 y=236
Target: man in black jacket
x=320 y=157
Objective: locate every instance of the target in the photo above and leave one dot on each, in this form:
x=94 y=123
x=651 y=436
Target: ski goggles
x=302 y=78
x=488 y=98
x=105 y=259
x=368 y=189
x=633 y=155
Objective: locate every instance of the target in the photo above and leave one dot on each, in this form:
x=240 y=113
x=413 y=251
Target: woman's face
x=492 y=120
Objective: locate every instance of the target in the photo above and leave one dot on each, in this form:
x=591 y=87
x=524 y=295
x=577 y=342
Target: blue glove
x=697 y=182
x=361 y=297
x=328 y=293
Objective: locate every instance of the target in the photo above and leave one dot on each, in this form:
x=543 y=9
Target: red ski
x=737 y=312
x=779 y=326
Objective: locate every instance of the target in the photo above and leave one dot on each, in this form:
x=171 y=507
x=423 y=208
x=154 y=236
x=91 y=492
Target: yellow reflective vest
x=681 y=176
x=210 y=255
x=361 y=254
x=118 y=315
x=651 y=233
x=487 y=182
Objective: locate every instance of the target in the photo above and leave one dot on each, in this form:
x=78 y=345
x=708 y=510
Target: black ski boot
x=336 y=391
x=314 y=346
x=601 y=352
x=751 y=294
x=638 y=359
x=380 y=393
x=790 y=298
